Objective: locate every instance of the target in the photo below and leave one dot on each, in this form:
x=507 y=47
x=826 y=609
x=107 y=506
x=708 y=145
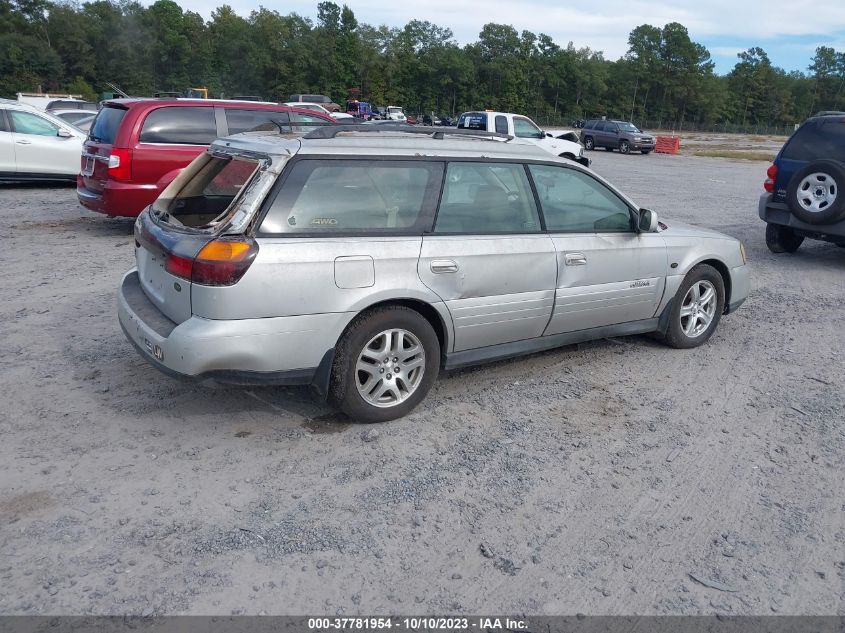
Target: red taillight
x=120 y=164
x=179 y=266
x=772 y=173
x=220 y=263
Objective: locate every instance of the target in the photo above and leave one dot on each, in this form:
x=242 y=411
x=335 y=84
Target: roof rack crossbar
x=331 y=131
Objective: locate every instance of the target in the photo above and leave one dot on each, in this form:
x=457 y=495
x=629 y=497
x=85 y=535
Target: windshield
x=628 y=127
x=394 y=109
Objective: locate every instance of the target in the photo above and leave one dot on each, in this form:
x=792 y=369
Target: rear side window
x=473 y=121
x=4 y=127
x=105 y=126
x=180 y=126
x=501 y=124
x=483 y=198
x=241 y=120
x=575 y=202
x=817 y=140
x=344 y=196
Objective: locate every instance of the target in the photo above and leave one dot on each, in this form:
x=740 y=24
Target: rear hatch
x=182 y=239
x=97 y=149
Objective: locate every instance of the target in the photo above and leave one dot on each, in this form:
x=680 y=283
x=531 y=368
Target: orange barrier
x=667 y=144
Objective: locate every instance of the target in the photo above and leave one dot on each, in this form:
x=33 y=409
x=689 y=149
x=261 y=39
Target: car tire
x=624 y=147
x=360 y=393
x=646 y=151
x=693 y=320
x=816 y=193
x=589 y=144
x=782 y=239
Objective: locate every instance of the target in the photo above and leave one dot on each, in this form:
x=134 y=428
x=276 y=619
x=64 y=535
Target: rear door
x=607 y=273
x=488 y=258
x=169 y=139
x=38 y=147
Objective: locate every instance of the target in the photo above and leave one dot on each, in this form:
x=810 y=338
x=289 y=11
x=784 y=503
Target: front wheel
x=697 y=308
x=782 y=239
x=386 y=363
x=624 y=147
x=646 y=151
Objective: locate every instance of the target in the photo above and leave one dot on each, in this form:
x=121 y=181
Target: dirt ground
x=615 y=477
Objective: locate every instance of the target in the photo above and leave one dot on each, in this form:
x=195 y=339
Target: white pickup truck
x=522 y=127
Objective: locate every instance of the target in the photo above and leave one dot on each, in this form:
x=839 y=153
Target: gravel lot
x=598 y=478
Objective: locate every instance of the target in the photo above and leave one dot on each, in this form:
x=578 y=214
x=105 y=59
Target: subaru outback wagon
x=363 y=260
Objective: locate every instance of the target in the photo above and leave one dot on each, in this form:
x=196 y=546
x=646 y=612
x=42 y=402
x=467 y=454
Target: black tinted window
x=818 y=139
x=4 y=126
x=501 y=124
x=245 y=120
x=347 y=196
x=575 y=202
x=104 y=128
x=473 y=121
x=599 y=126
x=487 y=198
x=186 y=126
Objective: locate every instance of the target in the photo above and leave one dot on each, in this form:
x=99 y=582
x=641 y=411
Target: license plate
x=88 y=170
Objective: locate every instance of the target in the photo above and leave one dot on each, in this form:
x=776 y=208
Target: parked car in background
x=43 y=101
x=805 y=186
x=394 y=113
x=73 y=116
x=63 y=105
x=35 y=145
x=611 y=134
x=522 y=127
x=85 y=124
x=323 y=100
x=316 y=107
x=365 y=263
x=428 y=119
x=136 y=147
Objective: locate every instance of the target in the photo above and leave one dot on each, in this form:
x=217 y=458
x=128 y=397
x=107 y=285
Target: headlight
x=581 y=153
x=742 y=252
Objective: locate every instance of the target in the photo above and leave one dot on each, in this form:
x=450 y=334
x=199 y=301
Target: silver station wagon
x=364 y=260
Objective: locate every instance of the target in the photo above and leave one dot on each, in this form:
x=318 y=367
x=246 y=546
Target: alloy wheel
x=698 y=308
x=390 y=368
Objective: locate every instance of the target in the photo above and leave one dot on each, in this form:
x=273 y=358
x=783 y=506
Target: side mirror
x=64 y=134
x=648 y=221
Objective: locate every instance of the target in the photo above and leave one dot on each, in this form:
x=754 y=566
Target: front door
x=487 y=258
x=39 y=149
x=607 y=272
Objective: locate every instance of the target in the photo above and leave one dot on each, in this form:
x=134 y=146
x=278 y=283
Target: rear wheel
x=624 y=147
x=782 y=239
x=386 y=363
x=697 y=308
x=589 y=143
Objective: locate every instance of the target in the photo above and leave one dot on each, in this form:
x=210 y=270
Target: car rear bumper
x=280 y=350
x=778 y=213
x=117 y=199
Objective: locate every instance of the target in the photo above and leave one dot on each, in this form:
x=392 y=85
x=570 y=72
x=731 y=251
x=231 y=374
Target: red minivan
x=136 y=147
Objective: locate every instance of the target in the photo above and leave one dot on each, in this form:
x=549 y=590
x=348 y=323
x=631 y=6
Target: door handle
x=575 y=259
x=23 y=142
x=443 y=266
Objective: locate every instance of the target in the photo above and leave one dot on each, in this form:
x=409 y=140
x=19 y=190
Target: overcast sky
x=788 y=30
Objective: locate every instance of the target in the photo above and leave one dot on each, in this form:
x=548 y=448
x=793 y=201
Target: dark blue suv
x=805 y=188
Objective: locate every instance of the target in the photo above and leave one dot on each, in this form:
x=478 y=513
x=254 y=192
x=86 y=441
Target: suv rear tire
x=589 y=144
x=695 y=314
x=816 y=193
x=782 y=239
x=365 y=382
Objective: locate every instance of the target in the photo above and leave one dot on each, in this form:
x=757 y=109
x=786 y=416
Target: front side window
x=486 y=198
x=28 y=123
x=300 y=122
x=523 y=128
x=180 y=126
x=346 y=196
x=575 y=202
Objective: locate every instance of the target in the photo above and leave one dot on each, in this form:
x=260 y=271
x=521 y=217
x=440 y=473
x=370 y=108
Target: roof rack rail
x=331 y=131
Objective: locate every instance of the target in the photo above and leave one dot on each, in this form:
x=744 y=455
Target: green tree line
x=664 y=78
